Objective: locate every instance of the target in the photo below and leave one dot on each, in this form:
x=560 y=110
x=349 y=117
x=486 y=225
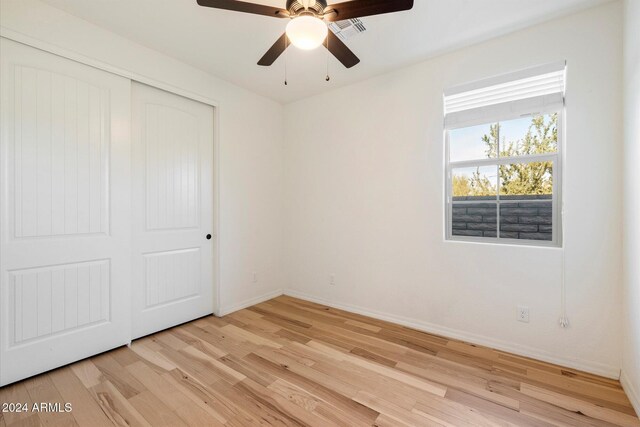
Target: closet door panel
x=65 y=218
x=173 y=209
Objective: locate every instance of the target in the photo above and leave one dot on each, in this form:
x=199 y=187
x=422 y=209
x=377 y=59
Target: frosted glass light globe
x=307 y=32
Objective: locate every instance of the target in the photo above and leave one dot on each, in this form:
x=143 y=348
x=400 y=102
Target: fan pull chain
x=285 y=61
x=328 y=78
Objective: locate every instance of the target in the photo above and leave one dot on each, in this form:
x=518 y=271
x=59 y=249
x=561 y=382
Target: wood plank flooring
x=288 y=362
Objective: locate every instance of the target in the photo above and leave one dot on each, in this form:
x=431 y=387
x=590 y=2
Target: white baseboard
x=632 y=393
x=579 y=364
x=249 y=302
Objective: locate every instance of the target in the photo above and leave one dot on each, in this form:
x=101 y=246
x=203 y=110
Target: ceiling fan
x=307 y=28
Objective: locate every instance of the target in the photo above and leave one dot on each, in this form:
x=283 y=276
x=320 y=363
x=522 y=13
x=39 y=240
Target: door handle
x=208 y=236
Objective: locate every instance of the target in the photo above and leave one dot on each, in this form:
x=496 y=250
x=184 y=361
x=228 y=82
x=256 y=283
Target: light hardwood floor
x=290 y=362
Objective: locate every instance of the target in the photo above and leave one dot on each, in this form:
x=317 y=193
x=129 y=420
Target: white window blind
x=532 y=91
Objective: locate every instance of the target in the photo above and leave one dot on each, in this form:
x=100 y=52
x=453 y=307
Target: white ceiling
x=228 y=44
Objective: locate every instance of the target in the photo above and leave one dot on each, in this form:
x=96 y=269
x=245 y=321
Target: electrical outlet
x=523 y=314
x=332 y=280
x=255 y=277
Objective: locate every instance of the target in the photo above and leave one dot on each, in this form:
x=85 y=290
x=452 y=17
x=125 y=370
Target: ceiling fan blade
x=243 y=6
x=359 y=8
x=341 y=51
x=274 y=51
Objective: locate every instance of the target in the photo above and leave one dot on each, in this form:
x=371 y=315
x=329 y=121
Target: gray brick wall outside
x=520 y=218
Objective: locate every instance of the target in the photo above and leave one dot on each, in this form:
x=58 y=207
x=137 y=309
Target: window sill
x=504 y=242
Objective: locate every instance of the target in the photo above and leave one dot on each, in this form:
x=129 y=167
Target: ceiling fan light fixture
x=307 y=32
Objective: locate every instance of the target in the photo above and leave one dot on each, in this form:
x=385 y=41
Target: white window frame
x=556 y=200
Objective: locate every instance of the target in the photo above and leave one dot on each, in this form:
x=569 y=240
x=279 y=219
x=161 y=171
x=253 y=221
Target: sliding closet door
x=173 y=210
x=65 y=230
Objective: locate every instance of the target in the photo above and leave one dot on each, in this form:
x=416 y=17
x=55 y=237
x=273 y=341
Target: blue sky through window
x=467 y=144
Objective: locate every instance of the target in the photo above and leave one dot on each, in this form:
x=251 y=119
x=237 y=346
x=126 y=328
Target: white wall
x=250 y=144
x=631 y=347
x=364 y=202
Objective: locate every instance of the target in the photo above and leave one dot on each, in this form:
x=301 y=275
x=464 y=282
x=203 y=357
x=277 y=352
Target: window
x=503 y=143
